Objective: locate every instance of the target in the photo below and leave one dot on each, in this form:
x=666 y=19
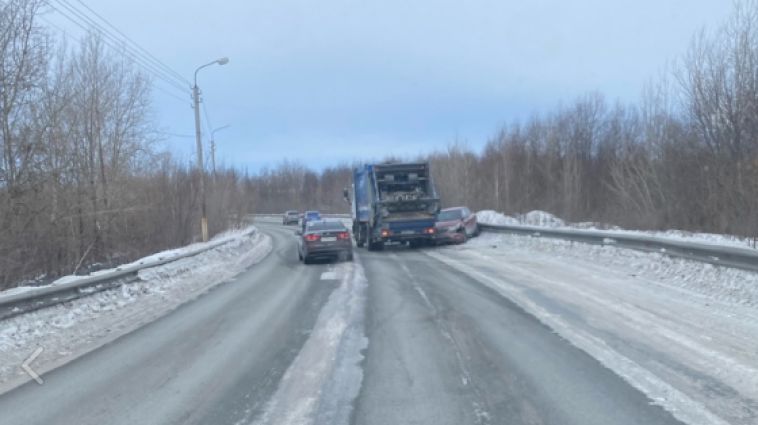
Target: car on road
x=291 y=217
x=309 y=216
x=456 y=225
x=324 y=239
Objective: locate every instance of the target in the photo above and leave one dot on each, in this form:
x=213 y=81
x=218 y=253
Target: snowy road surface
x=478 y=334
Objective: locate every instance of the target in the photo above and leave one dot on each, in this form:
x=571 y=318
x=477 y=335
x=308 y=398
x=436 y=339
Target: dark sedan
x=324 y=239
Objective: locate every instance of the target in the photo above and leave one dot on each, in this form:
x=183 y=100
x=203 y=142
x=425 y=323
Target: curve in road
x=396 y=338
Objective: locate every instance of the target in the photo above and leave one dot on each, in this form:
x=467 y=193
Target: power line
x=69 y=37
x=140 y=48
x=88 y=20
x=83 y=21
x=87 y=24
x=208 y=125
x=167 y=93
x=184 y=136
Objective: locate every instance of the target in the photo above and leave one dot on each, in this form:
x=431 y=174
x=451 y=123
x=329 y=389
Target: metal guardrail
x=726 y=256
x=45 y=296
x=279 y=215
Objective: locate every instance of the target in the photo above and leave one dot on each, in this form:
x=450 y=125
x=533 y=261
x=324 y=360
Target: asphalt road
x=442 y=349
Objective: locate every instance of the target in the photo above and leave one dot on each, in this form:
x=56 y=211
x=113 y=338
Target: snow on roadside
x=725 y=284
x=683 y=332
x=68 y=330
x=496 y=218
x=223 y=237
x=545 y=219
x=532 y=218
x=324 y=379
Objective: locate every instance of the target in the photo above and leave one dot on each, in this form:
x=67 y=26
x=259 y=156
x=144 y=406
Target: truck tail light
x=385 y=233
x=343 y=235
x=430 y=230
x=312 y=237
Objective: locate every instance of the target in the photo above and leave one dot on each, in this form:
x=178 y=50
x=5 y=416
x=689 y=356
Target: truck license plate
x=408 y=232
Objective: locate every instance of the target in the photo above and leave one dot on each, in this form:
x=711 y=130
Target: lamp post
x=201 y=168
x=213 y=149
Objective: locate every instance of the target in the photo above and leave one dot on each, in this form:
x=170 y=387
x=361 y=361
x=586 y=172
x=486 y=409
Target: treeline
x=82 y=181
x=292 y=185
x=684 y=157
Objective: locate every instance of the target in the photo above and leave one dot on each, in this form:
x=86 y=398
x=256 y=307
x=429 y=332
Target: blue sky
x=334 y=81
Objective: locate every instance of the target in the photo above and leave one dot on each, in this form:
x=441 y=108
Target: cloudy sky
x=331 y=81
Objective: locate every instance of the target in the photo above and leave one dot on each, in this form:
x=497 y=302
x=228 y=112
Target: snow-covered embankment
x=683 y=332
x=66 y=331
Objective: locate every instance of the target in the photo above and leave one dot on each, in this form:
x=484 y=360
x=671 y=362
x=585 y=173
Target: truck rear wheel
x=375 y=246
x=360 y=232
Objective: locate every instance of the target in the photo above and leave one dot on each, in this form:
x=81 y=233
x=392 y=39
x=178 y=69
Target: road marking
x=330 y=275
x=29 y=371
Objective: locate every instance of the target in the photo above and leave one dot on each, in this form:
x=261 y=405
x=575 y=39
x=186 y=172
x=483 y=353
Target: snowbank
x=541 y=218
x=223 y=237
x=495 y=218
x=683 y=332
x=532 y=218
x=545 y=219
x=67 y=331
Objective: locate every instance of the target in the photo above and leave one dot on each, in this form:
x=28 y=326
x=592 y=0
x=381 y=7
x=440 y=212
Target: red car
x=456 y=225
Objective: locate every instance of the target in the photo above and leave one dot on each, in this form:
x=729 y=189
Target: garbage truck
x=393 y=203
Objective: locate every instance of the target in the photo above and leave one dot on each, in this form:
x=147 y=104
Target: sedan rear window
x=326 y=225
x=449 y=215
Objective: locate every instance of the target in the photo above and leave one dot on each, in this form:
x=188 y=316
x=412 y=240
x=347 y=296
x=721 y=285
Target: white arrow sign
x=29 y=370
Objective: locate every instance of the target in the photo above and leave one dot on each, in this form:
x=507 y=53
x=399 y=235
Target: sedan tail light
x=343 y=235
x=312 y=237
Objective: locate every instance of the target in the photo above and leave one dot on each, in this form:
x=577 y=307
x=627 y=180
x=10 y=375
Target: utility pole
x=198 y=139
x=200 y=168
x=213 y=149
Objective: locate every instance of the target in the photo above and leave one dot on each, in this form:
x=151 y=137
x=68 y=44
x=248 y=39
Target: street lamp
x=196 y=100
x=213 y=149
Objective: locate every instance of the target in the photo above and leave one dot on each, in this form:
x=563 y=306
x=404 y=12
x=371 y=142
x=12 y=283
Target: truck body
x=393 y=203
